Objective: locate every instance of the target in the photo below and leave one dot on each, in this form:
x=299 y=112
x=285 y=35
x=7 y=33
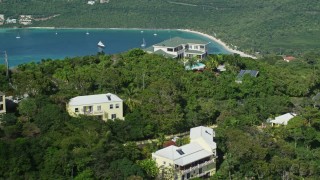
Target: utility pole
x=143 y=81
x=280 y=52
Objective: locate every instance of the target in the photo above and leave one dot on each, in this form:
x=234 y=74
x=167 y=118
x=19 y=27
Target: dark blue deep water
x=37 y=44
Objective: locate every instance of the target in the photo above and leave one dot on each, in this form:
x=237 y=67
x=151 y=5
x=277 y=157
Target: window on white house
x=76 y=109
x=117 y=106
x=99 y=108
x=1 y=107
x=113 y=116
x=111 y=106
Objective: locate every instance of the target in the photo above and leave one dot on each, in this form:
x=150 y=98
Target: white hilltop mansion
x=180 y=48
x=196 y=159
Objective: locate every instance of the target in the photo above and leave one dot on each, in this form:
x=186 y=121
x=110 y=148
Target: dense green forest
x=39 y=140
x=268 y=27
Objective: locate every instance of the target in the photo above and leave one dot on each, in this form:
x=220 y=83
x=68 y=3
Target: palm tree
x=211 y=63
x=131 y=93
x=160 y=140
x=191 y=62
x=220 y=58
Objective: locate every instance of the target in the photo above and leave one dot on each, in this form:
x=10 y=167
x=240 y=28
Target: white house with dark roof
x=196 y=159
x=242 y=73
x=2 y=103
x=180 y=48
x=107 y=106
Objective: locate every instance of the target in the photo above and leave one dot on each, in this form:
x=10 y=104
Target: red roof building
x=288 y=58
x=169 y=143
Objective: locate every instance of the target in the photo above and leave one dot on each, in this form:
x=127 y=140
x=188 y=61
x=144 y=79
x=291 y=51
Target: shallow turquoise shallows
x=37 y=44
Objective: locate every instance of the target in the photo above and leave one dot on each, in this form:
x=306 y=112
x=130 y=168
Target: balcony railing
x=197 y=166
x=200 y=175
x=93 y=112
x=87 y=112
x=98 y=112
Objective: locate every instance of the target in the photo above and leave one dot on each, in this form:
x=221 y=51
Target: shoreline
x=220 y=42
x=223 y=44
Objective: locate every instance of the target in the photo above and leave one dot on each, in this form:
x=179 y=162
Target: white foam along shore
x=242 y=54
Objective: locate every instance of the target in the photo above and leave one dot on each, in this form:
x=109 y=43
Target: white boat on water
x=100 y=44
x=18 y=36
x=143 y=43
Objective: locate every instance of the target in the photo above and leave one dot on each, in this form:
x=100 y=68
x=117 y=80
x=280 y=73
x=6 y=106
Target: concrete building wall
x=162 y=162
x=203 y=143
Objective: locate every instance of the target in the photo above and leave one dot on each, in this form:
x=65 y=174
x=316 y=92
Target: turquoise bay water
x=37 y=44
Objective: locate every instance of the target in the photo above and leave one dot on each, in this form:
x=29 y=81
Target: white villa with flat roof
x=1 y=19
x=91 y=2
x=196 y=159
x=25 y=19
x=180 y=48
x=107 y=106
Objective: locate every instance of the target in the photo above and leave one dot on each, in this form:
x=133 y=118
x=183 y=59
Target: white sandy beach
x=242 y=54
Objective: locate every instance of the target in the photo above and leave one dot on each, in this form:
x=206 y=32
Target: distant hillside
x=275 y=26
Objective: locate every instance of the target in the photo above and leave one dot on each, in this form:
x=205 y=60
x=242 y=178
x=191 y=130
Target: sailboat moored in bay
x=18 y=36
x=101 y=45
x=143 y=43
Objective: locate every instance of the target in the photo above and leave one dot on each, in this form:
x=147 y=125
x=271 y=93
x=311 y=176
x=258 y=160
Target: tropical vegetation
x=39 y=140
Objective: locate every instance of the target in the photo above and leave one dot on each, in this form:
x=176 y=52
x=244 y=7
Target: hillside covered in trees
x=39 y=140
x=276 y=27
